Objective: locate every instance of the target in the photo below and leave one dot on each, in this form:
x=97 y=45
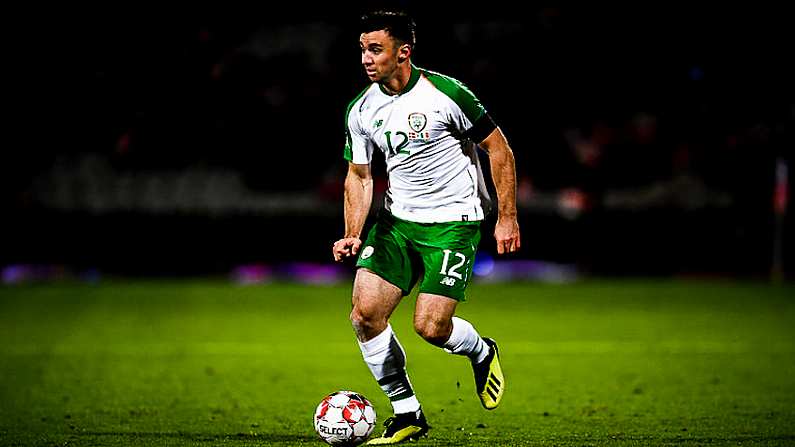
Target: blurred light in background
x=487 y=269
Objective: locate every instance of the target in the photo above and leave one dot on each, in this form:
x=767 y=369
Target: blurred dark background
x=146 y=141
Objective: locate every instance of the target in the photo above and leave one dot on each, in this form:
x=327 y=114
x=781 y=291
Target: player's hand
x=345 y=248
x=506 y=232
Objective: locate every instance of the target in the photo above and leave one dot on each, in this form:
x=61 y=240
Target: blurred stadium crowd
x=646 y=137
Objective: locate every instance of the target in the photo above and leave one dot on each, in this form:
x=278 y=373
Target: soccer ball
x=344 y=418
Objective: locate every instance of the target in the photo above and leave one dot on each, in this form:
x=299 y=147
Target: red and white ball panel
x=344 y=417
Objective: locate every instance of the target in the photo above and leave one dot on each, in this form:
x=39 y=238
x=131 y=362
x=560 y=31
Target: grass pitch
x=212 y=363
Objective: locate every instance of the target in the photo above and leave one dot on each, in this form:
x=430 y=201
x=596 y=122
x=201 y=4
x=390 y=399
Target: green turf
x=211 y=363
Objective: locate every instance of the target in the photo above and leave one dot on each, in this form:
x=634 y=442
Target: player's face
x=379 y=55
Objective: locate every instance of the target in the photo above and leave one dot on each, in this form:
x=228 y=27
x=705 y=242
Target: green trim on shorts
x=439 y=256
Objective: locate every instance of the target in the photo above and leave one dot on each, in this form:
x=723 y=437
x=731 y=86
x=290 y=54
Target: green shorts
x=439 y=255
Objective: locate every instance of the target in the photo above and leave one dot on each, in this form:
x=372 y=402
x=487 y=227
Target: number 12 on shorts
x=453 y=270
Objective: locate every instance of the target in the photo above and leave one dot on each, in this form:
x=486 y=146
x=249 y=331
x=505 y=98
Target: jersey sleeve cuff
x=481 y=129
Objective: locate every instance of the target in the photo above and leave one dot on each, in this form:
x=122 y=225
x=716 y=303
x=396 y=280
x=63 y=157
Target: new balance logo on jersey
x=377 y=124
x=447 y=281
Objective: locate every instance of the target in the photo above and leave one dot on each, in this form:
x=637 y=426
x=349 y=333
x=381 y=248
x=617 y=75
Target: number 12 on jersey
x=400 y=146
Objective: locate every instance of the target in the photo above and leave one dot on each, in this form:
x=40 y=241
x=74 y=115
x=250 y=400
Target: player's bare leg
x=374 y=300
x=434 y=321
x=433 y=318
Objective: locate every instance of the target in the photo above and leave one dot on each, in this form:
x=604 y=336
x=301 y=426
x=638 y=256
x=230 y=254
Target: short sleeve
x=358 y=148
x=468 y=116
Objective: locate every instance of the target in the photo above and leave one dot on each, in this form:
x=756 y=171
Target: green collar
x=415 y=76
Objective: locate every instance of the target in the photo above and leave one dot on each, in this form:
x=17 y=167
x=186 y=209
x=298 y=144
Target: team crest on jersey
x=417 y=121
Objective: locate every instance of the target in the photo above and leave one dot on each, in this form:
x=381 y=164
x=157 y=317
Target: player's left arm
x=503 y=173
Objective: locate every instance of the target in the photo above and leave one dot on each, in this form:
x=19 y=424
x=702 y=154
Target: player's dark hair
x=398 y=24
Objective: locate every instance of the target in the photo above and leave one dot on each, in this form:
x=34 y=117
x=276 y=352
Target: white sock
x=407 y=405
x=465 y=340
x=386 y=359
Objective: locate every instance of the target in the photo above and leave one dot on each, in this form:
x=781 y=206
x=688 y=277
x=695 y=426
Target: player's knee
x=360 y=319
x=434 y=331
x=365 y=324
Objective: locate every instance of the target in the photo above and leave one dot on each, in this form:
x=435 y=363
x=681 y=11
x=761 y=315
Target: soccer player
x=427 y=125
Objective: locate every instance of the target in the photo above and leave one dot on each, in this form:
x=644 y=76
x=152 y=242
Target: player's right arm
x=358 y=182
x=358 y=198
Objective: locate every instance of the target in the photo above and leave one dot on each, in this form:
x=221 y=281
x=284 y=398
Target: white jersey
x=426 y=134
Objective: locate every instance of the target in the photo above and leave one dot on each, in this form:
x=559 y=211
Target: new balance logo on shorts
x=448 y=281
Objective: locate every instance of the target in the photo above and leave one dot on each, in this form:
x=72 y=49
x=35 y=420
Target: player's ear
x=404 y=52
